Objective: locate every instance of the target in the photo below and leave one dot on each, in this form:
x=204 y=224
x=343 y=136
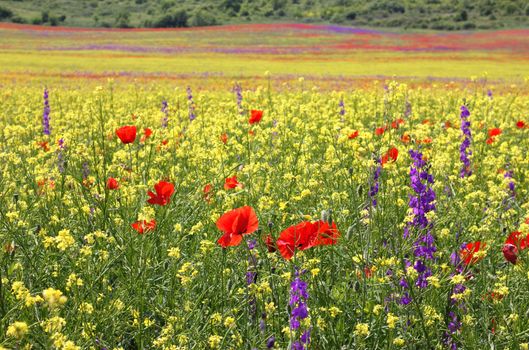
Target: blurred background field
x=418 y=14
x=334 y=56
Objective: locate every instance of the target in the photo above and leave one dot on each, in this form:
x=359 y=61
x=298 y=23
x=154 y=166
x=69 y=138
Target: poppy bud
x=329 y=214
x=9 y=248
x=360 y=190
x=510 y=252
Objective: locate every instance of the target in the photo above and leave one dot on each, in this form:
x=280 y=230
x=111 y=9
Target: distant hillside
x=424 y=14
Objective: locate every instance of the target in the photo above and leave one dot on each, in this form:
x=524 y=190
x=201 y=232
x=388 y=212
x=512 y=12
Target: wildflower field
x=182 y=198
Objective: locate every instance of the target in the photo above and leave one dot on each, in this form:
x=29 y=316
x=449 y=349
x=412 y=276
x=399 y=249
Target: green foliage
x=122 y=20
x=175 y=20
x=203 y=18
x=425 y=14
x=5 y=13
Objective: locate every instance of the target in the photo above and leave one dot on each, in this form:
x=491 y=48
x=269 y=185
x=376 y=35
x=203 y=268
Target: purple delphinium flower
x=46 y=114
x=299 y=310
x=464 y=151
x=508 y=175
x=421 y=202
x=238 y=92
x=262 y=325
x=405 y=299
x=407 y=112
x=342 y=109
x=270 y=342
x=455 y=258
x=453 y=326
x=86 y=170
x=192 y=115
x=297 y=346
x=305 y=337
x=252 y=243
x=373 y=190
x=251 y=277
x=165 y=111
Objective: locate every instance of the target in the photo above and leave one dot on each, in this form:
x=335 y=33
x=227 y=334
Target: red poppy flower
x=395 y=124
x=405 y=138
x=297 y=237
x=207 y=192
x=306 y=235
x=45 y=184
x=380 y=131
x=255 y=116
x=112 y=184
x=165 y=142
x=327 y=234
x=44 y=145
x=231 y=182
x=494 y=132
x=146 y=134
x=270 y=244
x=516 y=238
x=392 y=154
x=492 y=296
x=164 y=191
x=425 y=141
x=468 y=252
x=224 y=138
x=144 y=226
x=513 y=244
x=520 y=124
x=354 y=135
x=235 y=224
x=425 y=122
x=127 y=134
x=447 y=125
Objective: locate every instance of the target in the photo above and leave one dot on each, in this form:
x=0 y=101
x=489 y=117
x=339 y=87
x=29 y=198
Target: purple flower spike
x=464 y=151
x=46 y=115
x=165 y=111
x=299 y=309
x=192 y=115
